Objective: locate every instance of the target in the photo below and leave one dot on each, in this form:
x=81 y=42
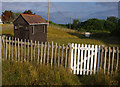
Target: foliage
x=17 y=73
x=28 y=12
x=7 y=16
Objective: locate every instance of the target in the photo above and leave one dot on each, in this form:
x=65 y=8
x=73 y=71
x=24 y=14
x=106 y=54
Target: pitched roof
x=33 y=19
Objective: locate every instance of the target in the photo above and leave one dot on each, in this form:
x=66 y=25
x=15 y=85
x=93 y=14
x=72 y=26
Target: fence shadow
x=107 y=38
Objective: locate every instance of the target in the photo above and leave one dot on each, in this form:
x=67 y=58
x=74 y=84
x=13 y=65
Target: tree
x=76 y=24
x=7 y=16
x=112 y=19
x=28 y=12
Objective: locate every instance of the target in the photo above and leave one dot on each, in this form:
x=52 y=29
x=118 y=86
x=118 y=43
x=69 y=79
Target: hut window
x=33 y=30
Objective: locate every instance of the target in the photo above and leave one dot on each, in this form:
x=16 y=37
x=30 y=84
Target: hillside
x=65 y=36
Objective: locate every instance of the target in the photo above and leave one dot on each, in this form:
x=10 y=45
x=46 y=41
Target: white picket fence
x=89 y=59
x=79 y=58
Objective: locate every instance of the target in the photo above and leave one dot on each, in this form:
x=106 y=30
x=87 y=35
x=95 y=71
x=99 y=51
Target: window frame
x=33 y=30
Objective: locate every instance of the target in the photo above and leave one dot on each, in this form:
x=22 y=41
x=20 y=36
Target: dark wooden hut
x=30 y=27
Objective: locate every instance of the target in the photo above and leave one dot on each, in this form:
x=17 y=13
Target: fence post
x=72 y=56
x=101 y=58
x=12 y=48
x=3 y=47
x=91 y=69
x=15 y=50
x=69 y=58
x=98 y=58
x=95 y=60
x=59 y=55
x=81 y=69
x=31 y=50
x=28 y=52
x=18 y=51
x=21 y=51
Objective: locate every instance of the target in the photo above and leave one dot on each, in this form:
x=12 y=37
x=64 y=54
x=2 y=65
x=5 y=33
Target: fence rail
x=81 y=59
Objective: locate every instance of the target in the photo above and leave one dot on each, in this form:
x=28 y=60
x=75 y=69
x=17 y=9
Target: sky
x=62 y=12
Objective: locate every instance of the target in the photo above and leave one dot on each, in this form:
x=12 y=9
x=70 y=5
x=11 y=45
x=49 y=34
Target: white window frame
x=33 y=30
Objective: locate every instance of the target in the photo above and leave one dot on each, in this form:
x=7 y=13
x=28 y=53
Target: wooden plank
x=88 y=61
x=95 y=60
x=41 y=52
x=52 y=54
x=78 y=60
x=45 y=51
x=31 y=51
x=81 y=63
x=117 y=58
x=34 y=50
x=74 y=72
x=55 y=53
x=109 y=60
x=48 y=54
x=21 y=51
x=59 y=55
x=92 y=54
x=85 y=60
x=112 y=60
x=15 y=50
x=98 y=66
x=9 y=47
x=28 y=52
x=105 y=60
x=101 y=61
x=18 y=51
x=72 y=48
x=25 y=50
x=62 y=55
x=12 y=48
x=38 y=53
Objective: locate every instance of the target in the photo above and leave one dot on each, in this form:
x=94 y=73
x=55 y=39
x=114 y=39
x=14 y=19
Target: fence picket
x=101 y=58
x=78 y=60
x=41 y=52
x=6 y=48
x=59 y=55
x=117 y=58
x=88 y=61
x=109 y=60
x=98 y=65
x=18 y=51
x=95 y=59
x=25 y=50
x=52 y=54
x=12 y=48
x=15 y=50
x=66 y=57
x=55 y=53
x=31 y=50
x=62 y=55
x=112 y=60
x=34 y=50
x=38 y=53
x=3 y=47
x=81 y=67
x=48 y=54
x=91 y=68
x=72 y=55
x=85 y=60
x=28 y=52
x=1 y=51
x=75 y=59
x=21 y=51
x=45 y=52
x=9 y=46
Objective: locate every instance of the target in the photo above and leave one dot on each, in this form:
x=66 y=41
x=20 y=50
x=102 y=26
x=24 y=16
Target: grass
x=65 y=36
x=17 y=73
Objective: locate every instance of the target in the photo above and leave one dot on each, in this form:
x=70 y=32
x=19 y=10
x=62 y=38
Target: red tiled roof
x=33 y=19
